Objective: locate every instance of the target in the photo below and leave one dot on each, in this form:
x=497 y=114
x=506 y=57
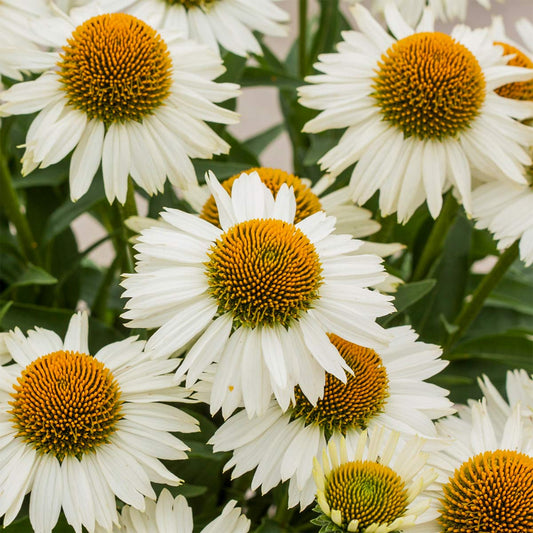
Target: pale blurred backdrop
x=259 y=107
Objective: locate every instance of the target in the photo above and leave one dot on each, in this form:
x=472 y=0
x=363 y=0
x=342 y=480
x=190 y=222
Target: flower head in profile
x=173 y=515
x=117 y=92
x=420 y=110
x=486 y=472
x=385 y=388
x=80 y=430
x=378 y=485
x=258 y=294
x=216 y=23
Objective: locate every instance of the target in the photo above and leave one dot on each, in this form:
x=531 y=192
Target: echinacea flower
x=215 y=23
x=421 y=112
x=80 y=430
x=173 y=515
x=259 y=295
x=117 y=92
x=350 y=218
x=486 y=473
x=376 y=485
x=385 y=389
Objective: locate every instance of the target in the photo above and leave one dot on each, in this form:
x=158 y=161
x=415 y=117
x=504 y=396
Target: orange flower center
x=429 y=85
x=492 y=491
x=519 y=90
x=307 y=202
x=116 y=68
x=264 y=272
x=66 y=403
x=354 y=403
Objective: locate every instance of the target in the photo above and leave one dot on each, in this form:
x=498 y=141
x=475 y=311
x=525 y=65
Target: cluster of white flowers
x=265 y=304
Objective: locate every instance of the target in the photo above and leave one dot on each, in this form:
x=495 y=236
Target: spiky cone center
x=307 y=202
x=115 y=68
x=519 y=90
x=429 y=86
x=65 y=403
x=264 y=272
x=492 y=491
x=354 y=403
x=362 y=493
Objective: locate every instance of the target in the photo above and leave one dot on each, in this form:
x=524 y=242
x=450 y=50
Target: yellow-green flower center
x=367 y=492
x=520 y=90
x=115 y=68
x=66 y=403
x=354 y=403
x=264 y=272
x=307 y=202
x=429 y=86
x=491 y=492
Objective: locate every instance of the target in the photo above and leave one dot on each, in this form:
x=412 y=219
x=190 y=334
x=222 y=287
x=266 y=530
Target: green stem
x=435 y=242
x=99 y=308
x=13 y=209
x=472 y=308
x=302 y=42
x=126 y=211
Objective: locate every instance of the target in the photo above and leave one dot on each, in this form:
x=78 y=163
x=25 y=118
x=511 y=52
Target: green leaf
x=410 y=293
x=44 y=177
x=511 y=350
x=4 y=310
x=260 y=76
x=69 y=211
x=444 y=301
x=260 y=141
x=33 y=275
x=190 y=491
x=513 y=294
x=269 y=526
x=320 y=144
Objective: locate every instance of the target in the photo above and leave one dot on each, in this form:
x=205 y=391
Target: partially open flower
x=377 y=486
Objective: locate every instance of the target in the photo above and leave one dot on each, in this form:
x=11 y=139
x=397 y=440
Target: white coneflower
x=375 y=486
x=173 y=515
x=385 y=388
x=115 y=91
x=258 y=294
x=227 y=23
x=350 y=218
x=421 y=112
x=79 y=430
x=486 y=472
